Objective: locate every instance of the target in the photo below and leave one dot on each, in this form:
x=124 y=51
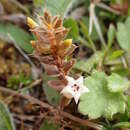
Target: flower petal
x=70 y=80
x=79 y=81
x=76 y=97
x=68 y=92
x=84 y=89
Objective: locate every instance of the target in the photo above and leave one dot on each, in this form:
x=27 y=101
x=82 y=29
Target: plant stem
x=94 y=20
x=86 y=34
x=105 y=7
x=84 y=42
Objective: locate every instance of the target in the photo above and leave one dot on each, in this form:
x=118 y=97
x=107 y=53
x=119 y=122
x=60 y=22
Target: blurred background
x=20 y=71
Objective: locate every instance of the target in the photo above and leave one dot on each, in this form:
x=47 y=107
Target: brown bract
x=51 y=48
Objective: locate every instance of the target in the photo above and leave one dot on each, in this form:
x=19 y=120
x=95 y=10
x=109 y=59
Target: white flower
x=74 y=88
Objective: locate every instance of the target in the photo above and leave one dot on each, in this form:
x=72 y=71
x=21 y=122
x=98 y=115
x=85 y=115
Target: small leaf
x=74 y=30
x=104 y=128
x=59 y=7
x=100 y=101
x=123 y=117
x=15 y=80
x=88 y=65
x=116 y=54
x=128 y=101
x=38 y=2
x=121 y=71
x=116 y=83
x=6 y=121
x=117 y=1
x=111 y=35
x=122 y=125
x=123 y=35
x=52 y=95
x=21 y=37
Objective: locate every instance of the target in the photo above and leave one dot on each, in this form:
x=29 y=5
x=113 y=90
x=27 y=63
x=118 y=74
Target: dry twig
x=45 y=105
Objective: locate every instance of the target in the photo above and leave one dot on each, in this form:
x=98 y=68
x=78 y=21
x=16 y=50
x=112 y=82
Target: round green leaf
x=116 y=83
x=100 y=101
x=123 y=35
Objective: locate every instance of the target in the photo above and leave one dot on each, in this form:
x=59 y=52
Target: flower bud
x=64 y=47
x=33 y=43
x=31 y=23
x=67 y=42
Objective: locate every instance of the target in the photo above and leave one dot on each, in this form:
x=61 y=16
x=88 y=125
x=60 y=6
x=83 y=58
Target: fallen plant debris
x=64 y=65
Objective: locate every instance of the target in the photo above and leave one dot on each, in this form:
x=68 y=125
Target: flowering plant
x=83 y=78
x=52 y=50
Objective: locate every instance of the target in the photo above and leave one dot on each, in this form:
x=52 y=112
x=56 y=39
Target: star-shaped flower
x=74 y=88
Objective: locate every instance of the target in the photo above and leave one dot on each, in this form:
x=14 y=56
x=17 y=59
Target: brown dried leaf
x=47 y=16
x=59 y=30
x=51 y=70
x=41 y=47
x=54 y=20
x=56 y=84
x=58 y=23
x=40 y=33
x=60 y=36
x=71 y=50
x=68 y=66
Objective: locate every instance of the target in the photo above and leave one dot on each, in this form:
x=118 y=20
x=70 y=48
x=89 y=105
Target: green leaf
x=15 y=80
x=116 y=83
x=128 y=101
x=129 y=10
x=60 y=7
x=88 y=65
x=73 y=26
x=21 y=37
x=123 y=35
x=48 y=126
x=104 y=128
x=124 y=116
x=100 y=101
x=121 y=71
x=38 y=2
x=115 y=54
x=53 y=97
x=94 y=35
x=122 y=125
x=117 y=1
x=6 y=121
x=84 y=29
x=111 y=35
